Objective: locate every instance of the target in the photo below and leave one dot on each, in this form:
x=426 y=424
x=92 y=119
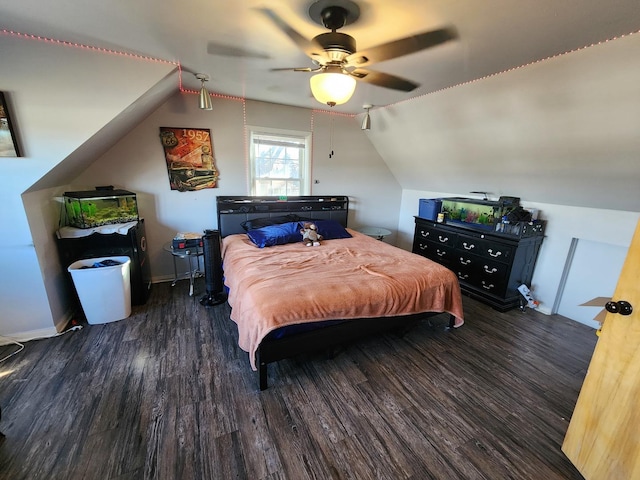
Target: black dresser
x=490 y=265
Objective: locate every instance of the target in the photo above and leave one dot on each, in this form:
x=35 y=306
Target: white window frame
x=285 y=136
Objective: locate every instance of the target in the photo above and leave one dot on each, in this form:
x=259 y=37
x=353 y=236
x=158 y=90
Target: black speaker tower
x=212 y=269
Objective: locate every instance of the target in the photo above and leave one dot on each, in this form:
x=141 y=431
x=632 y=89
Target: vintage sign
x=189 y=156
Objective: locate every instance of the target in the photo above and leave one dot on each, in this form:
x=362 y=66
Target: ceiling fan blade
x=231 y=51
x=310 y=47
x=299 y=69
x=384 y=80
x=401 y=47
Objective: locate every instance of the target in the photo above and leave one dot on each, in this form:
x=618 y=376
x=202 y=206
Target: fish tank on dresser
x=501 y=216
x=102 y=206
x=477 y=213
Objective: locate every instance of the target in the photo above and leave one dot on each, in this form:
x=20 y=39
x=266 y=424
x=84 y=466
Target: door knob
x=621 y=307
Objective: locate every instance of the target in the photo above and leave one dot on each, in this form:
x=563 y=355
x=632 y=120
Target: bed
x=287 y=298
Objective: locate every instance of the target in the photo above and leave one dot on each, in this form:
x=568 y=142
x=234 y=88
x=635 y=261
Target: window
x=279 y=163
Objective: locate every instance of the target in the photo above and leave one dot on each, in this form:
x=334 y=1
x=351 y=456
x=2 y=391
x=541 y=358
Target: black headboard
x=232 y=211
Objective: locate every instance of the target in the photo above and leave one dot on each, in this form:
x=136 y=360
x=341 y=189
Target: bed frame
x=233 y=210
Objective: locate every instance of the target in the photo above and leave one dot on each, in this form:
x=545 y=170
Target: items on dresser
x=429 y=208
x=490 y=265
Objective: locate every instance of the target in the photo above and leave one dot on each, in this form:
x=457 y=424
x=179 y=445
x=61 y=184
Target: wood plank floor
x=168 y=394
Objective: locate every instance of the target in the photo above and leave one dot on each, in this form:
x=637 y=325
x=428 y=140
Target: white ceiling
x=494 y=35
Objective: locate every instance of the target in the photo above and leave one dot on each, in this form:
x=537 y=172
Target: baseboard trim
x=29 y=335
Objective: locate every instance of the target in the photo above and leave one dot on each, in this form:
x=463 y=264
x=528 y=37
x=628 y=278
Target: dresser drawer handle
x=487 y=287
x=443 y=239
x=424 y=234
x=462 y=276
x=468 y=246
x=493 y=270
x=464 y=262
x=497 y=254
x=440 y=253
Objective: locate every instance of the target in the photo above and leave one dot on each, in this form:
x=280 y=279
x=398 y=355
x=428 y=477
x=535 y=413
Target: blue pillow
x=331 y=229
x=276 y=234
x=254 y=223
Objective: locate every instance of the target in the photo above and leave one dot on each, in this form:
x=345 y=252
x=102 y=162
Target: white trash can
x=104 y=291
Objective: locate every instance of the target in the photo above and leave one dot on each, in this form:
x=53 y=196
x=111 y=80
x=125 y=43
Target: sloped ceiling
x=237 y=45
x=107 y=136
x=560 y=131
x=563 y=131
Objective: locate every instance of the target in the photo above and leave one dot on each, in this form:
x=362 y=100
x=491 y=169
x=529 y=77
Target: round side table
x=376 y=232
x=188 y=254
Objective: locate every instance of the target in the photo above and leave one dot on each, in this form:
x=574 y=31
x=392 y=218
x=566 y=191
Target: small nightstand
x=376 y=232
x=188 y=254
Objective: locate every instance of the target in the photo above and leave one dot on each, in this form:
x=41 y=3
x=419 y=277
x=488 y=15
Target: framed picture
x=189 y=156
x=8 y=140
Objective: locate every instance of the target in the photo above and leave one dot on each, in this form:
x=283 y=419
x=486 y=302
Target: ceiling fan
x=334 y=53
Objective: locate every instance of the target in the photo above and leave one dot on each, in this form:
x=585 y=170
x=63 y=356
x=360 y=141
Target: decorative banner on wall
x=8 y=141
x=189 y=157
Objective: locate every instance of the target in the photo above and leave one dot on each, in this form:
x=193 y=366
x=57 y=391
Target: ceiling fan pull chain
x=331 y=135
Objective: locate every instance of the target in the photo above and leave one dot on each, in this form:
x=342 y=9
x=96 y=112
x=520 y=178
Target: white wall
x=356 y=169
x=137 y=163
x=83 y=92
x=601 y=263
x=562 y=131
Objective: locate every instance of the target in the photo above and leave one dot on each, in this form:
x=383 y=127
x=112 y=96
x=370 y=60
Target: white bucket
x=104 y=292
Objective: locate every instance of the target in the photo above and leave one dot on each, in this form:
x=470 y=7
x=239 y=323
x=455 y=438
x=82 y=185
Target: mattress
x=342 y=279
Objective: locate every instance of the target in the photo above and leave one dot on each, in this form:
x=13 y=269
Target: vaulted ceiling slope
x=563 y=131
x=238 y=46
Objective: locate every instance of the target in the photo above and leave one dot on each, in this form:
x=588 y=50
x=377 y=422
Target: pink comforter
x=357 y=277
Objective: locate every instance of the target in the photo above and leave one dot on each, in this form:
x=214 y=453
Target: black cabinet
x=132 y=245
x=490 y=265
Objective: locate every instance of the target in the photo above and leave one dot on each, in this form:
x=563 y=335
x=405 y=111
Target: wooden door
x=603 y=439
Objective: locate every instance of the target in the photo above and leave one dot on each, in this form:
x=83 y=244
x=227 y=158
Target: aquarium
x=477 y=213
x=93 y=208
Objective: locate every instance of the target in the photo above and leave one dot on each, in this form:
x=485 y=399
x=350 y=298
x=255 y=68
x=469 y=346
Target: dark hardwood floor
x=168 y=394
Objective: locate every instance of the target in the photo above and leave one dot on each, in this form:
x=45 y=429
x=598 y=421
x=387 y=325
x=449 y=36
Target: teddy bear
x=310 y=235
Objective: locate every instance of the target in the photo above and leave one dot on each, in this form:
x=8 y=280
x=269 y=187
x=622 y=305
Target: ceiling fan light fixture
x=332 y=88
x=205 y=98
